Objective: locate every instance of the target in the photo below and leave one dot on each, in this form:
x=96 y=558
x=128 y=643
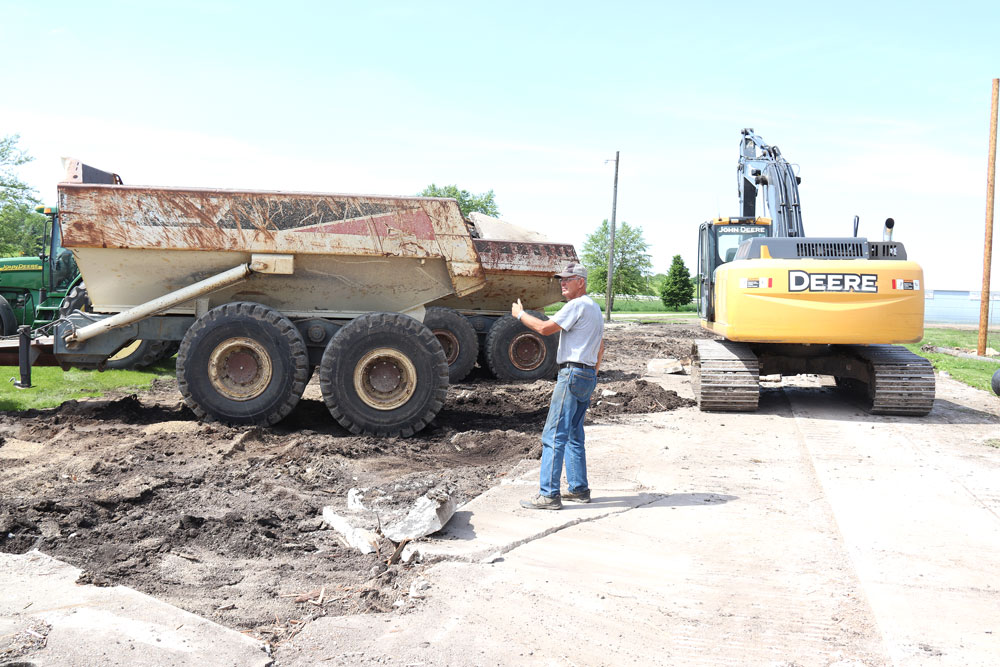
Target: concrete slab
x=494 y=523
x=681 y=567
x=808 y=534
x=928 y=550
x=74 y=625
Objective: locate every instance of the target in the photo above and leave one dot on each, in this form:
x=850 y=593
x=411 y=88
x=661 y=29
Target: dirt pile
x=226 y=522
x=633 y=397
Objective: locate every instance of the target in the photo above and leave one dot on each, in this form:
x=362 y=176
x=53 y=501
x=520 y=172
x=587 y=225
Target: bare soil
x=226 y=521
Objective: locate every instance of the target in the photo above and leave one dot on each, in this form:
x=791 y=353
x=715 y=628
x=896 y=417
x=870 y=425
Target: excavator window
x=729 y=238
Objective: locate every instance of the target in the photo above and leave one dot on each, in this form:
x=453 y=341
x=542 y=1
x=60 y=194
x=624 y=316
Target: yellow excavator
x=788 y=304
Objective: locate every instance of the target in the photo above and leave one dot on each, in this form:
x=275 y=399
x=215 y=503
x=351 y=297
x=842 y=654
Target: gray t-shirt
x=582 y=331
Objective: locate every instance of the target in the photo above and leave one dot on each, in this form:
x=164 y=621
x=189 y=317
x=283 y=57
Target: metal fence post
x=24 y=357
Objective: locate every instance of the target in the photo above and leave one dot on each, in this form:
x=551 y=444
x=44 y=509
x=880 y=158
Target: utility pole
x=609 y=299
x=984 y=299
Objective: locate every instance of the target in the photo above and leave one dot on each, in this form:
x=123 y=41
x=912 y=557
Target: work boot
x=541 y=502
x=579 y=497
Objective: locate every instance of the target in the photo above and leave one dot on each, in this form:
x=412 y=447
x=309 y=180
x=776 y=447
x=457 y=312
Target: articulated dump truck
x=387 y=298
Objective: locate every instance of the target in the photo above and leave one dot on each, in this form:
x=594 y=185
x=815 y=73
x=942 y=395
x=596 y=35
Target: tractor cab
x=62 y=264
x=31 y=288
x=718 y=242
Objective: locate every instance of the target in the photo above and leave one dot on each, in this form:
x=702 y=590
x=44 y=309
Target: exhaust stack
x=887 y=232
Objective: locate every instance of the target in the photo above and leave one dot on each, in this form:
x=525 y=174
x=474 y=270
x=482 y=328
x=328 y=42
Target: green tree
x=632 y=265
x=656 y=284
x=467 y=202
x=20 y=227
x=677 y=290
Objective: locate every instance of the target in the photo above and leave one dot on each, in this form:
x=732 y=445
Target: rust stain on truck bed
x=543 y=259
x=101 y=216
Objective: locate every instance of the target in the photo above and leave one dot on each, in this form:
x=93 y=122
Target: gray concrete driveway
x=809 y=533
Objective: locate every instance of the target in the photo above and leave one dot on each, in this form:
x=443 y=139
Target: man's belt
x=574 y=364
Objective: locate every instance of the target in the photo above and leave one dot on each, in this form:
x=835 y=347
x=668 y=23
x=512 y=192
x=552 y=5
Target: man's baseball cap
x=573 y=270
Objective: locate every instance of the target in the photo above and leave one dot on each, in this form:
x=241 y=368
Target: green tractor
x=37 y=291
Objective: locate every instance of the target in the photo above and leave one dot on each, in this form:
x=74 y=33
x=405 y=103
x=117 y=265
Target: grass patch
x=992 y=442
x=972 y=372
x=51 y=386
x=963 y=338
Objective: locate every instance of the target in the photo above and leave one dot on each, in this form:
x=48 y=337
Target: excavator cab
x=718 y=243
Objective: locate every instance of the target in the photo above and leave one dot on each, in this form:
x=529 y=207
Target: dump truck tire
x=8 y=322
x=384 y=374
x=139 y=354
x=242 y=363
x=515 y=352
x=458 y=340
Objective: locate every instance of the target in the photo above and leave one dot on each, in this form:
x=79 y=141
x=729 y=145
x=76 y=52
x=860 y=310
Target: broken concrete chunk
x=428 y=515
x=359 y=538
x=663 y=367
x=354 y=497
x=607 y=392
x=418 y=588
x=411 y=554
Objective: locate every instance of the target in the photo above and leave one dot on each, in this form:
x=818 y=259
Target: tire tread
x=255 y=311
x=408 y=326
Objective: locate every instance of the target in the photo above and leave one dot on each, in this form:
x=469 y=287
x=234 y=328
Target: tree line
x=20 y=226
x=633 y=267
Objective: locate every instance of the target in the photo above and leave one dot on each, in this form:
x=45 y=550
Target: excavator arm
x=762 y=167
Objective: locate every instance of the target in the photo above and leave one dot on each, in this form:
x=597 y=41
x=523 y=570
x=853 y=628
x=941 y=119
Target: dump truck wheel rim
x=240 y=369
x=526 y=352
x=385 y=378
x=449 y=342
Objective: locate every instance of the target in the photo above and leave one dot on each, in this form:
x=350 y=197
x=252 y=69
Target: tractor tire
x=138 y=354
x=457 y=338
x=515 y=352
x=8 y=321
x=384 y=374
x=242 y=363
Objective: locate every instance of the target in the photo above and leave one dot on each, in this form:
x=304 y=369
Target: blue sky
x=885 y=107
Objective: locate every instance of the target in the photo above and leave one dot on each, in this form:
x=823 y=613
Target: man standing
x=581 y=348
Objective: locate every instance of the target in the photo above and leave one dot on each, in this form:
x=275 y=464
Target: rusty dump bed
x=515 y=270
x=351 y=253
x=518 y=263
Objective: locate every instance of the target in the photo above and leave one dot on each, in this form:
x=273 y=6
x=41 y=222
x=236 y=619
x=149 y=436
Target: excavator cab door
x=718 y=243
x=706 y=271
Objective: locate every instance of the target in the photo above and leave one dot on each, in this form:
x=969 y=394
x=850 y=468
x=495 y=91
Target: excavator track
x=725 y=376
x=902 y=383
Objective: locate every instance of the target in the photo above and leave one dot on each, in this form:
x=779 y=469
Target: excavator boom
x=762 y=169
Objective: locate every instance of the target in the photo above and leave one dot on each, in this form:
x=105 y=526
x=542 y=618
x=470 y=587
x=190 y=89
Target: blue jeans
x=563 y=435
